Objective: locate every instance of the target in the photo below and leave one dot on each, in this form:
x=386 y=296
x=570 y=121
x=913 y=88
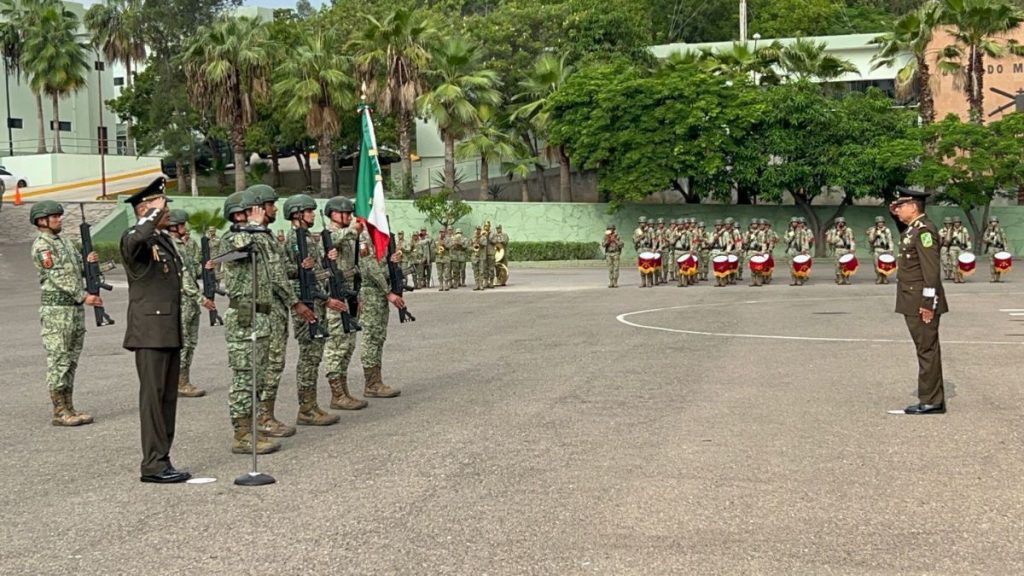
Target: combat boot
x=375 y=386
x=185 y=387
x=62 y=416
x=340 y=397
x=242 y=443
x=268 y=424
x=310 y=414
x=68 y=394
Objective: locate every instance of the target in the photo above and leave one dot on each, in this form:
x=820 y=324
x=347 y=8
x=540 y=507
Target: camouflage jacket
x=58 y=261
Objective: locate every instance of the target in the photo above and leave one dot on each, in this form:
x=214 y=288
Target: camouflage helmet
x=794 y=219
x=44 y=208
x=729 y=220
x=718 y=222
x=801 y=219
x=178 y=216
x=879 y=220
x=701 y=224
x=263 y=193
x=610 y=227
x=947 y=220
x=956 y=220
x=298 y=203
x=993 y=219
x=661 y=220
x=754 y=221
x=642 y=219
x=239 y=202
x=840 y=220
x=338 y=204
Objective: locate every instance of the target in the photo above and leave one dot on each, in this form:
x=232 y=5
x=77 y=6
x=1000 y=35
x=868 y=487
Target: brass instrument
x=440 y=249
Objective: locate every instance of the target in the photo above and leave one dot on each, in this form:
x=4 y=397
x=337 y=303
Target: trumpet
x=440 y=249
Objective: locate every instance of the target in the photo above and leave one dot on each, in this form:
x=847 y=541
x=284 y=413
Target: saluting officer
x=920 y=297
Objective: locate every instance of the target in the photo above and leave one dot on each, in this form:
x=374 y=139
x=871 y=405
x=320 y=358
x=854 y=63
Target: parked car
x=10 y=180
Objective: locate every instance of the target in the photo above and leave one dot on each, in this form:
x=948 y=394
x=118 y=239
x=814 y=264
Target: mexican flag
x=370 y=189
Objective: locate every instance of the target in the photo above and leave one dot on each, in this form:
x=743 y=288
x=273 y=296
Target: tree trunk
x=975 y=85
x=925 y=98
x=41 y=145
x=564 y=176
x=743 y=196
x=326 y=166
x=485 y=179
x=56 y=126
x=688 y=196
x=179 y=168
x=239 y=168
x=524 y=188
x=1020 y=195
x=976 y=228
x=804 y=203
x=129 y=142
x=449 y=161
x=405 y=144
x=193 y=174
x=275 y=167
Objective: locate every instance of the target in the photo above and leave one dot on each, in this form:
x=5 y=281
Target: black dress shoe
x=922 y=409
x=168 y=476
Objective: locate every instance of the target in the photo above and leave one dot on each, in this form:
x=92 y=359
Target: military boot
x=185 y=387
x=62 y=416
x=68 y=394
x=242 y=443
x=375 y=386
x=340 y=397
x=310 y=414
x=268 y=424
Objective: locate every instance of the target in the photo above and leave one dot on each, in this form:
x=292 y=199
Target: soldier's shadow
x=948 y=385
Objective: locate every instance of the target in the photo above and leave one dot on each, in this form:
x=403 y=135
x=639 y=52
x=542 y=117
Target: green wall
x=586 y=222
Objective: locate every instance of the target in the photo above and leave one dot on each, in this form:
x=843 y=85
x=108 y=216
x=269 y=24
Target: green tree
x=227 y=68
x=462 y=94
x=808 y=60
x=741 y=59
x=975 y=27
x=913 y=34
x=21 y=18
x=548 y=74
x=116 y=29
x=492 y=146
x=315 y=81
x=55 y=59
x=442 y=208
x=596 y=30
x=1009 y=153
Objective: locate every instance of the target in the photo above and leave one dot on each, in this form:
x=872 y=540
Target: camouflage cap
x=44 y=208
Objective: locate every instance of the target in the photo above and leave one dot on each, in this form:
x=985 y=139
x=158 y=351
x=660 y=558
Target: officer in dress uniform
x=920 y=297
x=153 y=331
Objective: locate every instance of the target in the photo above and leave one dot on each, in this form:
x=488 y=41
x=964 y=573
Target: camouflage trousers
x=613 y=268
x=444 y=274
x=339 y=347
x=459 y=273
x=374 y=321
x=63 y=331
x=489 y=269
x=277 y=348
x=189 y=333
x=311 y=351
x=238 y=330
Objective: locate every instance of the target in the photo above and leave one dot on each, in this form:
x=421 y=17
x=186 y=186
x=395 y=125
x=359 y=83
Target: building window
x=118 y=80
x=64 y=126
x=14 y=123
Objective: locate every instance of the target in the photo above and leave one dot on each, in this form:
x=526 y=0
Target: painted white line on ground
x=622 y=318
x=1011 y=309
x=1017 y=314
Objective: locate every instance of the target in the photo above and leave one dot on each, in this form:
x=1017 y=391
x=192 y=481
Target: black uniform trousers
x=158 y=402
x=929 y=358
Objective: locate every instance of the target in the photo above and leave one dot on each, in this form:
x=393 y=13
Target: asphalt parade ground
x=554 y=426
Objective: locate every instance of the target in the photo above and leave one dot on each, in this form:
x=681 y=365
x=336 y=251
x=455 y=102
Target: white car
x=10 y=180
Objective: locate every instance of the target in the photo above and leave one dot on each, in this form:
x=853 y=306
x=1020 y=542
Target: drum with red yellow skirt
x=966 y=263
x=885 y=264
x=720 y=266
x=802 y=265
x=848 y=265
x=1002 y=262
x=734 y=263
x=648 y=262
x=759 y=264
x=687 y=264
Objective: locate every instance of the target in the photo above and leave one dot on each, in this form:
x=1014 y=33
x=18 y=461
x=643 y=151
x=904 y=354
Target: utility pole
x=101 y=131
x=743 y=20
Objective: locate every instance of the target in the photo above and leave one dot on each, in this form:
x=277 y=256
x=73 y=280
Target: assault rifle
x=309 y=292
x=210 y=288
x=93 y=275
x=337 y=288
x=397 y=280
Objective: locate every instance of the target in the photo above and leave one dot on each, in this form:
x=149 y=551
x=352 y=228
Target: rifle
x=337 y=288
x=309 y=292
x=91 y=270
x=210 y=288
x=397 y=280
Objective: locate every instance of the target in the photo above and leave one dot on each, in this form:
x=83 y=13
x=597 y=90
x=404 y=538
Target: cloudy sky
x=265 y=3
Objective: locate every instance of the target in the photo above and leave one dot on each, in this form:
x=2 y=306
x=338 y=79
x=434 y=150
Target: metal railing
x=69 y=145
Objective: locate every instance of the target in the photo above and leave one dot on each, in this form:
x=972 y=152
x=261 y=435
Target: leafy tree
x=443 y=208
x=491 y=145
x=912 y=33
x=808 y=60
x=596 y=30
x=1009 y=153
x=116 y=29
x=740 y=59
x=548 y=74
x=22 y=19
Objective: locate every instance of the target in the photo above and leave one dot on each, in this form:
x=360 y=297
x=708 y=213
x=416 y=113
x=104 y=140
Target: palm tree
x=492 y=146
x=741 y=59
x=227 y=65
x=116 y=29
x=547 y=76
x=973 y=26
x=55 y=59
x=808 y=60
x=20 y=18
x=315 y=83
x=392 y=55
x=462 y=94
x=912 y=34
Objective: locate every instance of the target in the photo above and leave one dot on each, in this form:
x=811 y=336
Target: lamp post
x=101 y=132
x=7 y=92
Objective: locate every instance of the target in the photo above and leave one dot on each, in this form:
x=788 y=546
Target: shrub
x=108 y=251
x=538 y=251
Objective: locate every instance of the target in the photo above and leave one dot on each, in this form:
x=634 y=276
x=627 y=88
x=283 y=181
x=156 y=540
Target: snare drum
x=966 y=263
x=802 y=265
x=848 y=264
x=758 y=263
x=720 y=265
x=648 y=262
x=1002 y=262
x=885 y=264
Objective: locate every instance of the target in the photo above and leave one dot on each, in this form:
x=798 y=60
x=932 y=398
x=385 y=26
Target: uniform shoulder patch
x=926 y=239
x=46 y=259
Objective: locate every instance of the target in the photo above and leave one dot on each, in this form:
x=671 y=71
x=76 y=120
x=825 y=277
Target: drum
x=734 y=262
x=770 y=264
x=1002 y=262
x=720 y=266
x=966 y=262
x=648 y=262
x=802 y=265
x=848 y=264
x=687 y=264
x=657 y=260
x=885 y=264
x=758 y=263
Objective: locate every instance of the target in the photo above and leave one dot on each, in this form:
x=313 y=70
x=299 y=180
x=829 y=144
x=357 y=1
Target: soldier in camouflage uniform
x=242 y=329
x=443 y=260
x=799 y=241
x=459 y=253
x=427 y=253
x=959 y=241
x=376 y=294
x=338 y=350
x=994 y=240
x=301 y=211
x=477 y=257
x=643 y=241
x=612 y=254
x=840 y=239
x=490 y=247
x=880 y=240
x=700 y=241
x=59 y=264
x=192 y=300
x=944 y=234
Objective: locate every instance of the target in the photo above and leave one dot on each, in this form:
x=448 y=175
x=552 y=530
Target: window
x=4 y=172
x=14 y=123
x=64 y=126
x=118 y=80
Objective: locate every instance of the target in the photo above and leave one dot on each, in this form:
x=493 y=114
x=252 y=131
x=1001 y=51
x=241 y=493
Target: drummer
x=880 y=240
x=959 y=241
x=840 y=239
x=995 y=241
x=682 y=246
x=799 y=241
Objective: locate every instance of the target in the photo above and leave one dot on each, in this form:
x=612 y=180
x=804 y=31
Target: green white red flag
x=370 y=188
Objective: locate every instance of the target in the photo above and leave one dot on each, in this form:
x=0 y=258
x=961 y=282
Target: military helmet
x=794 y=219
x=44 y=208
x=178 y=216
x=718 y=222
x=263 y=193
x=611 y=227
x=947 y=220
x=701 y=225
x=338 y=204
x=298 y=203
x=879 y=220
x=661 y=220
x=802 y=219
x=993 y=219
x=642 y=220
x=840 y=220
x=956 y=220
x=729 y=220
x=239 y=202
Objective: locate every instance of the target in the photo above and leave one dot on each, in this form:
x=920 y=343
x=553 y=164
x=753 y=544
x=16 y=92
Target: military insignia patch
x=46 y=259
x=926 y=239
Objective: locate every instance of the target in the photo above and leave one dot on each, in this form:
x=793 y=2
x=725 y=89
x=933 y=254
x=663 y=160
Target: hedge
x=108 y=251
x=538 y=251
